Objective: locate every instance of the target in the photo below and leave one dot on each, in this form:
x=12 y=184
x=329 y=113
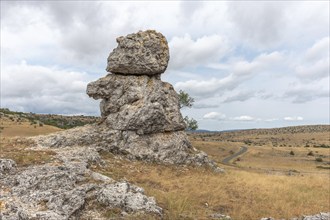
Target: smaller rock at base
x=219 y=216
x=321 y=216
x=7 y=165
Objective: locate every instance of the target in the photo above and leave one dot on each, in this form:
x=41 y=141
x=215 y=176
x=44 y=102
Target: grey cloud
x=241 y=97
x=188 y=8
x=204 y=105
x=303 y=95
x=260 y=23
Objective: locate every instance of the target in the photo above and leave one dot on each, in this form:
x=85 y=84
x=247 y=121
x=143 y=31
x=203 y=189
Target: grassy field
x=11 y=126
x=187 y=192
x=255 y=186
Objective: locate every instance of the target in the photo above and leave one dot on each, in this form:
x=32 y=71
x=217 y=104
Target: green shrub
x=318 y=159
x=310 y=153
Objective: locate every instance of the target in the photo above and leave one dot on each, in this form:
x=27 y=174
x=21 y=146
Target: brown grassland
x=256 y=185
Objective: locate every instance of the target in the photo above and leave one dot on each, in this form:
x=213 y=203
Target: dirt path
x=238 y=153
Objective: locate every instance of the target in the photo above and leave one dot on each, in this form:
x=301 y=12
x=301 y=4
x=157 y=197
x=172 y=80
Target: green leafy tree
x=186 y=101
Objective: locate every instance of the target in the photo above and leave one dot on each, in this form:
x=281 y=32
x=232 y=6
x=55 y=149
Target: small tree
x=191 y=123
x=186 y=101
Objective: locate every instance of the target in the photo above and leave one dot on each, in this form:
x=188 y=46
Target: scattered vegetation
x=318 y=159
x=310 y=153
x=186 y=101
x=17 y=150
x=60 y=121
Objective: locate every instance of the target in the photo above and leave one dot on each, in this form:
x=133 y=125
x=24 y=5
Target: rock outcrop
x=141 y=116
x=61 y=190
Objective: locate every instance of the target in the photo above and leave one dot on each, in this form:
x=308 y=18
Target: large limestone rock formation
x=141 y=117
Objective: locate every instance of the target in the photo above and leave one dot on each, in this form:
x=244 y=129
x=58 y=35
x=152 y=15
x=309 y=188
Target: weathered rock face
x=168 y=147
x=61 y=190
x=143 y=53
x=137 y=103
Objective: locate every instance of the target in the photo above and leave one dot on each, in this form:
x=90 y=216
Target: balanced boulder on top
x=143 y=53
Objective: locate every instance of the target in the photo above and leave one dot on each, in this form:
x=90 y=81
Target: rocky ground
x=63 y=188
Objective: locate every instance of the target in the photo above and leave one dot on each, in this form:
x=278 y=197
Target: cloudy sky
x=247 y=64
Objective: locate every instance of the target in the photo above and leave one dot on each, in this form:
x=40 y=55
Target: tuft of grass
x=17 y=150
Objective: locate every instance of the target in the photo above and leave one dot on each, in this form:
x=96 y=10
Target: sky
x=247 y=64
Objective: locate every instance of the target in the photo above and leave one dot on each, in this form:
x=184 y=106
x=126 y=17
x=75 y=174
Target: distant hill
x=282 y=130
x=305 y=135
x=60 y=121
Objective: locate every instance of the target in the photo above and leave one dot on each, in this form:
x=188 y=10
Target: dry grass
x=195 y=193
x=23 y=128
x=17 y=150
x=187 y=192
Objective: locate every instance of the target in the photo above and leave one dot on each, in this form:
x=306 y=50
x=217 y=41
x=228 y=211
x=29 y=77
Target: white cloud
x=243 y=118
x=45 y=89
x=315 y=71
x=241 y=71
x=319 y=50
x=315 y=64
x=188 y=52
x=271 y=119
x=293 y=118
x=214 y=115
